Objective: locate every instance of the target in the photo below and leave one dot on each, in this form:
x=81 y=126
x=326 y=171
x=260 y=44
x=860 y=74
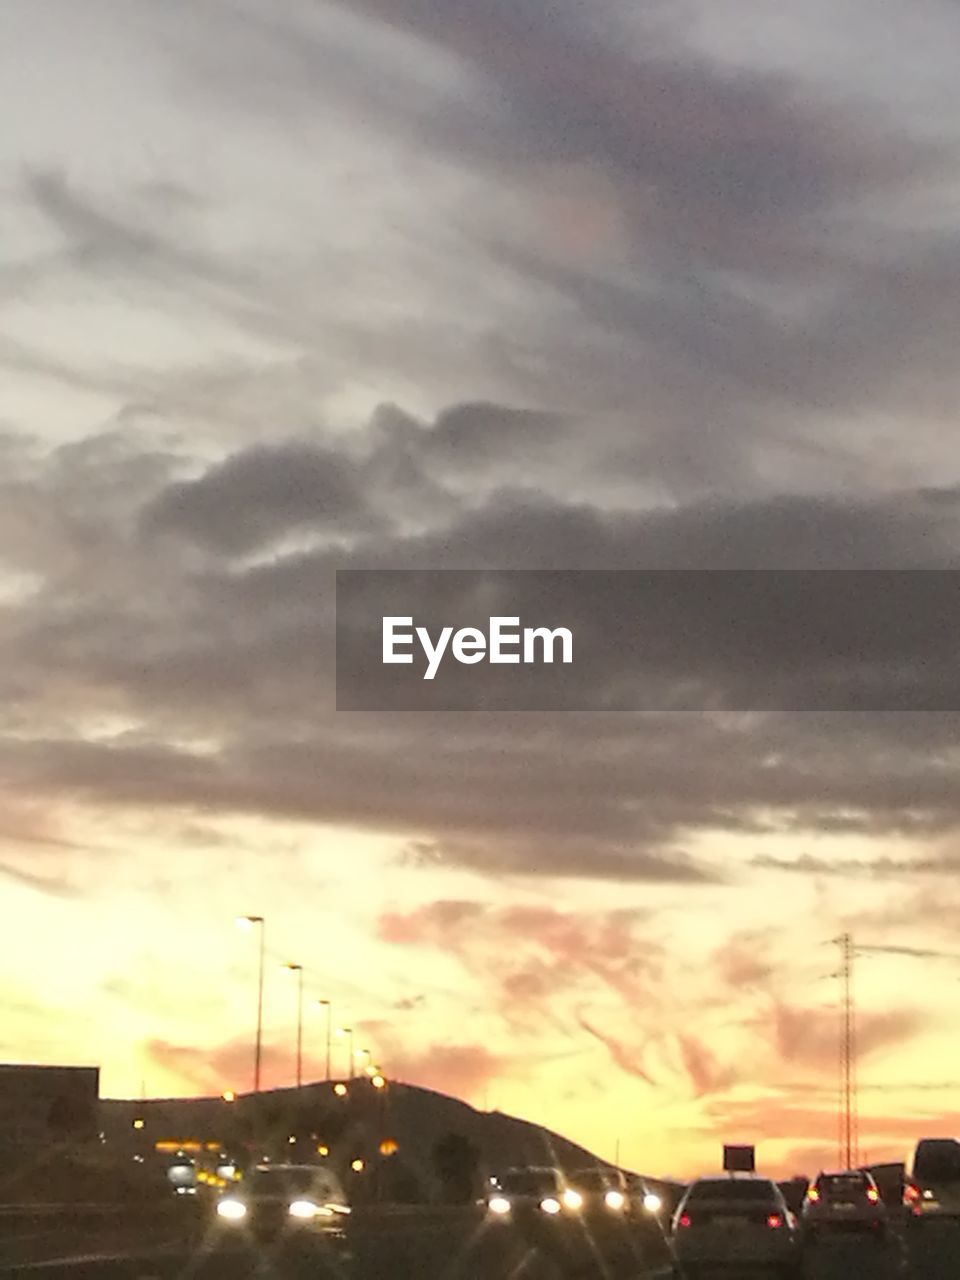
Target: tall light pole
x=348 y=1031
x=250 y=922
x=298 y=970
x=325 y=1004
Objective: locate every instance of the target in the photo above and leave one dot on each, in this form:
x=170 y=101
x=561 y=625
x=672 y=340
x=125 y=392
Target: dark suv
x=932 y=1187
x=846 y=1201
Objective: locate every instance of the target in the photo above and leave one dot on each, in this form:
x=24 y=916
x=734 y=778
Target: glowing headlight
x=499 y=1204
x=232 y=1210
x=550 y=1205
x=652 y=1202
x=614 y=1199
x=572 y=1199
x=303 y=1209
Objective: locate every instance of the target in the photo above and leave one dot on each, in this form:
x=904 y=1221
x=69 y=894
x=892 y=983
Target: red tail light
x=685 y=1220
x=813 y=1195
x=873 y=1195
x=775 y=1220
x=911 y=1194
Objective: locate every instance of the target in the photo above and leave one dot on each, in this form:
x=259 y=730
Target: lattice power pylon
x=848 y=1140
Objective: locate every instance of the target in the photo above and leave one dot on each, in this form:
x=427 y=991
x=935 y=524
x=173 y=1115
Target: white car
x=274 y=1200
x=542 y=1191
x=736 y=1221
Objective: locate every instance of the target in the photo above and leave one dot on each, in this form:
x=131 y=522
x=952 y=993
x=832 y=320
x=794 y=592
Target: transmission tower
x=848 y=1135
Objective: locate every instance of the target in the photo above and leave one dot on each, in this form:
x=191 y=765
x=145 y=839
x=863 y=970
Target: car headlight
x=652 y=1202
x=550 y=1205
x=303 y=1209
x=232 y=1210
x=614 y=1199
x=572 y=1199
x=499 y=1205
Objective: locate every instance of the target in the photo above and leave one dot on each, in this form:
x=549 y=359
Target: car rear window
x=717 y=1189
x=849 y=1184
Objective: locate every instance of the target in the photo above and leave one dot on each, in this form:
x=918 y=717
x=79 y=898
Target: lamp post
x=250 y=922
x=325 y=1004
x=298 y=970
x=348 y=1031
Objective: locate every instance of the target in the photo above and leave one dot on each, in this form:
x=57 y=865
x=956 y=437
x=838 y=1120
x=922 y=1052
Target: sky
x=293 y=286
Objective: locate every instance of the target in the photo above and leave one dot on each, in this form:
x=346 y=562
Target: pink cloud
x=707 y=1074
x=461 y=1070
x=207 y=1071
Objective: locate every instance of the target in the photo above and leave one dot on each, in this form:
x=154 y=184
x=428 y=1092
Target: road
x=452 y=1245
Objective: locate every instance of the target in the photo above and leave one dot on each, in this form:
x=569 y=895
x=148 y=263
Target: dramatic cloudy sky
x=292 y=285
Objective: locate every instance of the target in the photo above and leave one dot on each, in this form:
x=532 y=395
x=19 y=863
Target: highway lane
x=456 y=1247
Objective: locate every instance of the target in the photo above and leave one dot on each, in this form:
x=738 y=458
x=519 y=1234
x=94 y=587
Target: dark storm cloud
x=261 y=494
x=241 y=659
x=726 y=154
x=757 y=283
x=763 y=275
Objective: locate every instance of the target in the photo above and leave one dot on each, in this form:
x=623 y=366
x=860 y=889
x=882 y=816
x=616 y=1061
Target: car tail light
x=873 y=1195
x=684 y=1220
x=813 y=1195
x=911 y=1194
x=775 y=1220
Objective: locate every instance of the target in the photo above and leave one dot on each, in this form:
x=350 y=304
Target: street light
x=298 y=970
x=348 y=1031
x=364 y=1053
x=250 y=922
x=325 y=1004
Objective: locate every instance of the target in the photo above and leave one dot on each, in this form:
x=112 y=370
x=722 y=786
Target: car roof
x=728 y=1179
x=319 y=1172
x=732 y=1175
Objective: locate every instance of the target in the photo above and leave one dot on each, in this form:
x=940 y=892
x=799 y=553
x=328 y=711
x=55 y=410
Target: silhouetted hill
x=294 y=1124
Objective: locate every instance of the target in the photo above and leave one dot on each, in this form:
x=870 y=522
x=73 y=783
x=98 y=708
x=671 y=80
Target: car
x=603 y=1190
x=931 y=1188
x=611 y=1191
x=845 y=1201
x=539 y=1190
x=275 y=1200
x=740 y=1220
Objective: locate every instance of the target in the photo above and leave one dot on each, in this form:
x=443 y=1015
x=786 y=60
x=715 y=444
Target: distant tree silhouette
x=456 y=1162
